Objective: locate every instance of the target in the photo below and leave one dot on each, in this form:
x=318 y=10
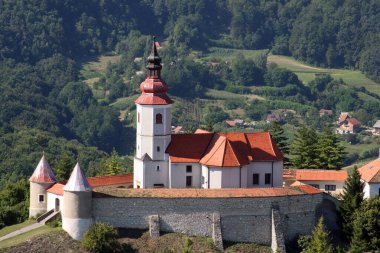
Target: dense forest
x=45 y=106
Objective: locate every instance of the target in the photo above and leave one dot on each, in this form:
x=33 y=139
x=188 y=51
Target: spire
x=154 y=62
x=43 y=172
x=77 y=181
x=154 y=89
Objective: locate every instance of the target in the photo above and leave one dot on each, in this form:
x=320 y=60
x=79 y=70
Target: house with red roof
x=347 y=124
x=199 y=160
x=370 y=175
x=330 y=181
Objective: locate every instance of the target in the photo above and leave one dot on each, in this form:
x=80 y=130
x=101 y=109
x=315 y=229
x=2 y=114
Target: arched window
x=158 y=118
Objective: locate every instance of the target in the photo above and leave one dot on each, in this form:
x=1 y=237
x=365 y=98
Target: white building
x=330 y=181
x=370 y=175
x=200 y=160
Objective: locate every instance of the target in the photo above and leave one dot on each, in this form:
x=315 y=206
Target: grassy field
x=306 y=73
x=229 y=54
x=223 y=95
x=94 y=67
x=27 y=236
x=10 y=229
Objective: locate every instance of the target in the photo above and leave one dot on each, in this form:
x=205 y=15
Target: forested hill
x=330 y=33
x=44 y=106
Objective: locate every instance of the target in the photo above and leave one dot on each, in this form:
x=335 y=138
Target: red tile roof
x=371 y=171
x=208 y=193
x=343 y=116
x=231 y=123
x=223 y=149
x=110 y=180
x=188 y=148
x=97 y=182
x=56 y=189
x=321 y=175
x=354 y=121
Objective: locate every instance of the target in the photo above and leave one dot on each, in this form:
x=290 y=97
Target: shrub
x=101 y=237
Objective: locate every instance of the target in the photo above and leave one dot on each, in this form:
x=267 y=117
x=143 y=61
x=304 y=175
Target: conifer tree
x=277 y=133
x=366 y=227
x=329 y=152
x=319 y=242
x=64 y=167
x=302 y=149
x=112 y=165
x=351 y=199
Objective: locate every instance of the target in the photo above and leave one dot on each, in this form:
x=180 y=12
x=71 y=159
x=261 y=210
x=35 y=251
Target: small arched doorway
x=56 y=207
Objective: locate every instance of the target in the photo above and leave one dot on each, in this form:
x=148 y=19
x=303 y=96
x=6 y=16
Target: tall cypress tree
x=351 y=200
x=302 y=149
x=329 y=152
x=319 y=242
x=277 y=133
x=64 y=167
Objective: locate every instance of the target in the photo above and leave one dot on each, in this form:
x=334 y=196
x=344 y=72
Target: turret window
x=158 y=168
x=158 y=118
x=41 y=198
x=158 y=148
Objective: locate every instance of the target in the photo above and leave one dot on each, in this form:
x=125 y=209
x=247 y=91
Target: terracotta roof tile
x=201 y=131
x=188 y=148
x=354 y=121
x=110 y=180
x=263 y=147
x=97 y=182
x=343 y=116
x=207 y=193
x=371 y=171
x=230 y=149
x=56 y=189
x=43 y=172
x=321 y=175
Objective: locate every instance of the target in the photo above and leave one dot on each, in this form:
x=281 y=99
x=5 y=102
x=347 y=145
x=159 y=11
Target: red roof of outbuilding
x=43 y=173
x=97 y=182
x=321 y=175
x=223 y=149
x=371 y=171
x=110 y=180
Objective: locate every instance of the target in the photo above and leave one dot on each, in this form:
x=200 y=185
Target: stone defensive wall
x=259 y=215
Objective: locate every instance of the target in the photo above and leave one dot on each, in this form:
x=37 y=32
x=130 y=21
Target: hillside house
x=330 y=181
x=370 y=175
x=347 y=124
x=235 y=123
x=376 y=128
x=325 y=112
x=273 y=117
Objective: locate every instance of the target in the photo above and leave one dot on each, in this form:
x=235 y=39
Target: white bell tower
x=153 y=131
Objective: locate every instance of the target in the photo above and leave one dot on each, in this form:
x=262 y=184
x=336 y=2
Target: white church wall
x=138 y=173
x=244 y=178
x=156 y=172
x=153 y=146
x=263 y=168
x=147 y=125
x=204 y=177
x=178 y=175
x=51 y=201
x=215 y=180
x=373 y=190
x=231 y=177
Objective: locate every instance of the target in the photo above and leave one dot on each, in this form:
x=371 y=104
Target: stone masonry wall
x=242 y=219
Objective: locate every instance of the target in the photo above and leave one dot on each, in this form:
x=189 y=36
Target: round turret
x=77 y=205
x=42 y=179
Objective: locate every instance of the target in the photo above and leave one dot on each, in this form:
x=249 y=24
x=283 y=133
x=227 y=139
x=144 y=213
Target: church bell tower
x=153 y=131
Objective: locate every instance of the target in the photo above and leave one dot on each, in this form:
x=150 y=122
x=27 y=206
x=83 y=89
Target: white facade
x=153 y=135
x=326 y=186
x=54 y=201
x=371 y=190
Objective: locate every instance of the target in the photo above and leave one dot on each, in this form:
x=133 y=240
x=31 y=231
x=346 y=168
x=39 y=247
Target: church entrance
x=56 y=208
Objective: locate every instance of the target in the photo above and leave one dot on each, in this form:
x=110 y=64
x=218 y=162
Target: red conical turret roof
x=153 y=89
x=43 y=173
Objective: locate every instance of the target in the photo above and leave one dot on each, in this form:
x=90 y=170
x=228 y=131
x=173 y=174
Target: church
x=199 y=160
